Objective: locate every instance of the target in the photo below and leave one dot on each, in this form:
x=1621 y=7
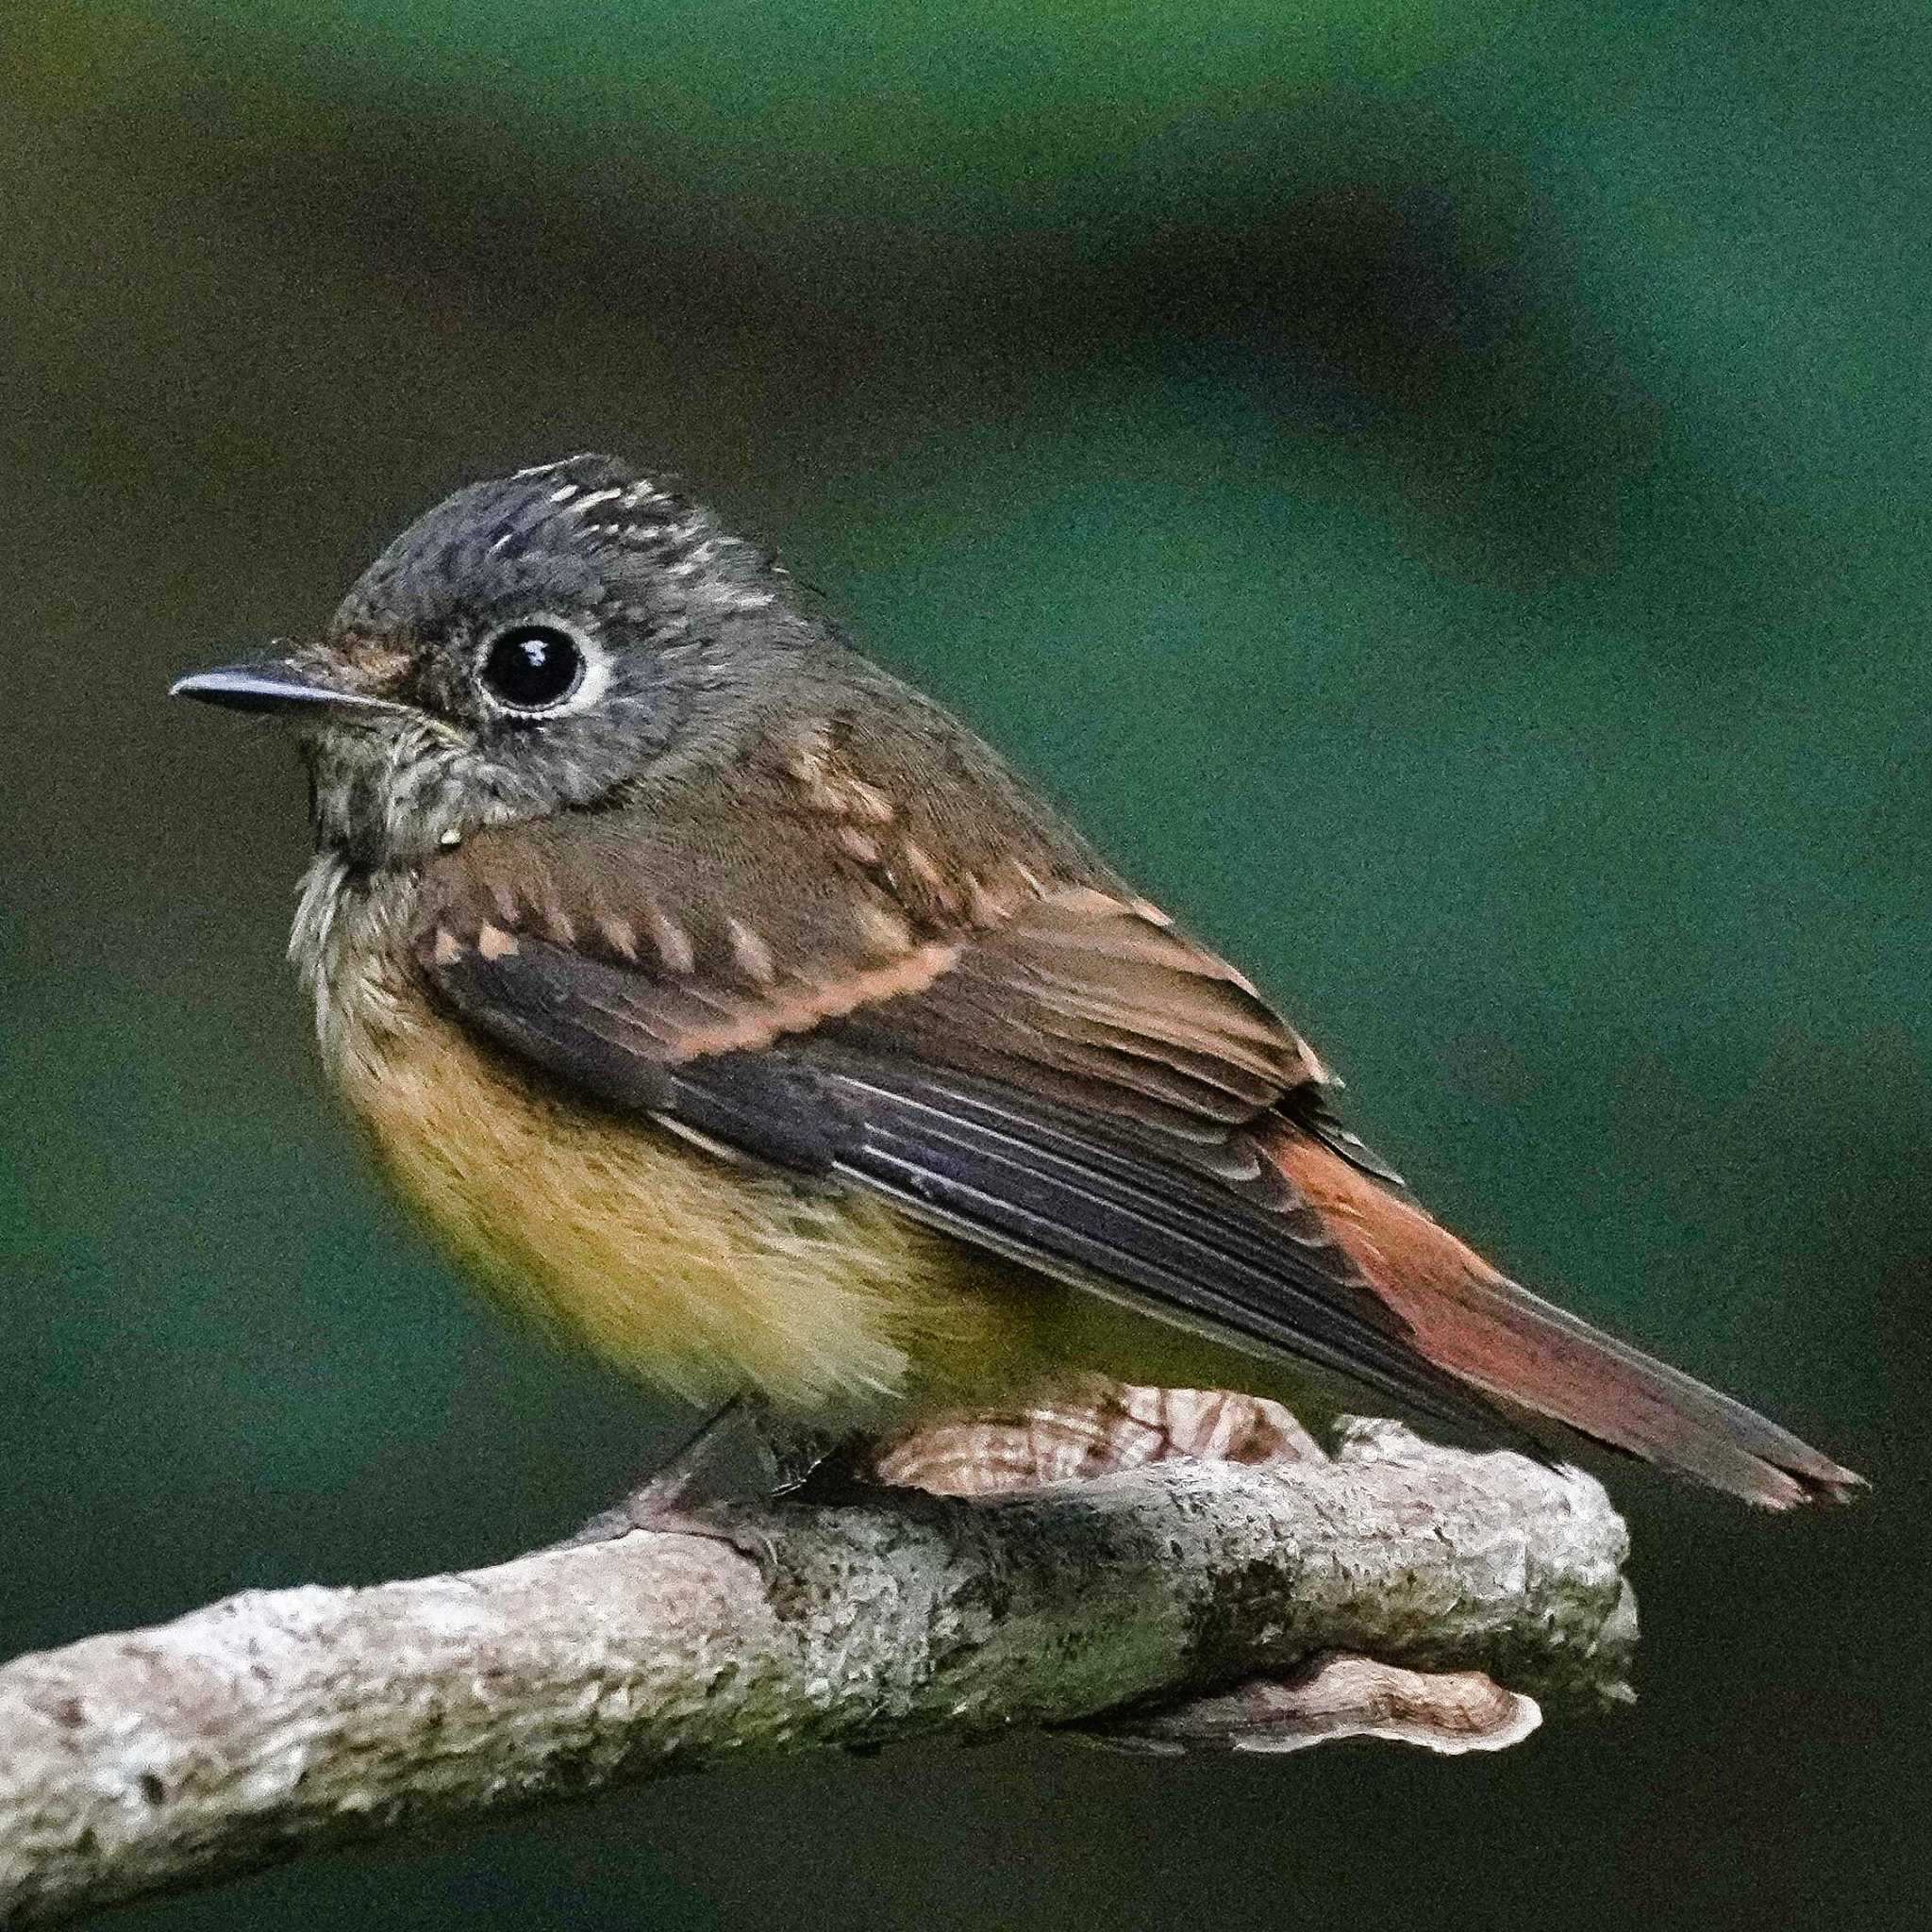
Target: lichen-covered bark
x=283 y=1722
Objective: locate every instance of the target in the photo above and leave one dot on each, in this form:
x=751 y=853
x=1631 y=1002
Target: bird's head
x=542 y=642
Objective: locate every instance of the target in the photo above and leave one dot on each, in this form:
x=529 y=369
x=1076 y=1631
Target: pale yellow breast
x=691 y=1271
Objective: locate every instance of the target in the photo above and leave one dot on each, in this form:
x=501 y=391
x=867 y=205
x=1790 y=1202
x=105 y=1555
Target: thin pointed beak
x=273 y=685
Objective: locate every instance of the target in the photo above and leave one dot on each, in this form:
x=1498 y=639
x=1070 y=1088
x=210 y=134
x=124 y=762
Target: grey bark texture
x=1392 y=1590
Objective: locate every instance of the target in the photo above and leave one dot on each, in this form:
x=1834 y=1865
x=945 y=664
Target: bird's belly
x=690 y=1270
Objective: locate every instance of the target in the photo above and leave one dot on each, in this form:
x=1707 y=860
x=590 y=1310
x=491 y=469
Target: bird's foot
x=730 y=1459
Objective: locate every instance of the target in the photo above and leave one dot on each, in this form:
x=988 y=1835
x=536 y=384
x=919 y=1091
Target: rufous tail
x=1528 y=1354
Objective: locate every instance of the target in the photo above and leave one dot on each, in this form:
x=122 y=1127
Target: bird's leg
x=744 y=1453
x=733 y=1456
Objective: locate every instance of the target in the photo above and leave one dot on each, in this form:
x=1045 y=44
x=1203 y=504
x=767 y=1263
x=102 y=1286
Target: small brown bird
x=712 y=991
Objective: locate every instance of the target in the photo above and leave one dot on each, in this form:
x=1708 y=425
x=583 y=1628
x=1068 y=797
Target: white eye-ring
x=538 y=667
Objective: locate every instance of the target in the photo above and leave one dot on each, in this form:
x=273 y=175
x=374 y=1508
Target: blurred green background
x=1439 y=490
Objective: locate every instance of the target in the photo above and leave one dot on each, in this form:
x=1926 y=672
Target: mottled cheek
x=375 y=797
x=573 y=761
x=396 y=794
x=338 y=794
x=438 y=794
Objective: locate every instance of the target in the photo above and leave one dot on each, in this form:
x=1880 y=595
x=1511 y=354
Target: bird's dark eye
x=533 y=667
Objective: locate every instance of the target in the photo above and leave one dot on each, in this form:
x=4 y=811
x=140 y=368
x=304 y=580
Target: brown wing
x=1054 y=1074
x=1037 y=1062
x=1048 y=976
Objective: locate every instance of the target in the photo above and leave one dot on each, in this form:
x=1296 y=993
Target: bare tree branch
x=1173 y=1604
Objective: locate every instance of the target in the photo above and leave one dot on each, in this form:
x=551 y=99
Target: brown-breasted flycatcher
x=726 y=1000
